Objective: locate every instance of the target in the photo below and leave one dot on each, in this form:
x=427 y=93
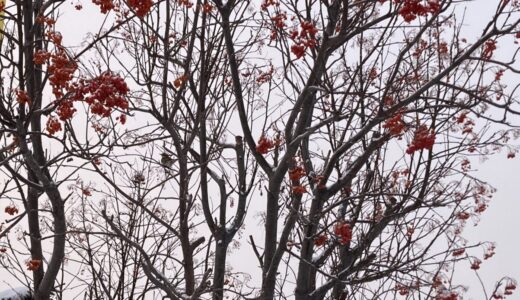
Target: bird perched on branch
x=167 y=162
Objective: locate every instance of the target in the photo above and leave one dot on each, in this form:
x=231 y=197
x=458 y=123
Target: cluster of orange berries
x=423 y=139
x=344 y=232
x=179 y=81
x=304 y=39
x=33 y=264
x=321 y=240
x=265 y=76
x=53 y=125
x=141 y=7
x=186 y=3
x=22 y=97
x=395 y=125
x=264 y=145
x=267 y=3
x=104 y=5
x=103 y=94
x=411 y=9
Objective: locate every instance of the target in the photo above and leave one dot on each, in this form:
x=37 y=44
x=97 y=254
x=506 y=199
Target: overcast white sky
x=500 y=223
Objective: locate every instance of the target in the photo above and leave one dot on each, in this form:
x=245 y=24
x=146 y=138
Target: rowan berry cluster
x=489 y=48
x=296 y=173
x=265 y=5
x=344 y=232
x=11 y=210
x=104 y=5
x=33 y=264
x=103 y=93
x=61 y=69
x=265 y=76
x=475 y=264
x=299 y=189
x=458 y=252
x=141 y=7
x=447 y=295
x=22 y=97
x=395 y=125
x=53 y=125
x=423 y=139
x=304 y=39
x=320 y=240
x=411 y=9
x=264 y=145
x=179 y=81
x=186 y=3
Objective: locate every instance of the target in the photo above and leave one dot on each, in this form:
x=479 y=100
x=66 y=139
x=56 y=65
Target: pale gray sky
x=499 y=223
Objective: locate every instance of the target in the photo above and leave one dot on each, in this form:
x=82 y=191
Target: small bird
x=390 y=202
x=167 y=162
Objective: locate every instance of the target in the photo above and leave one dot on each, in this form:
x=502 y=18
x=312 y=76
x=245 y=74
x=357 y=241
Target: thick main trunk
x=33 y=219
x=219 y=269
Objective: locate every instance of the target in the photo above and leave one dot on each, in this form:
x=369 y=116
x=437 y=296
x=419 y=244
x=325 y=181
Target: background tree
x=350 y=125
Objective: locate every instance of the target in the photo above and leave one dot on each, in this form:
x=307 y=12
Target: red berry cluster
x=103 y=93
x=411 y=9
x=508 y=290
x=458 y=252
x=489 y=48
x=41 y=57
x=65 y=110
x=104 y=5
x=179 y=81
x=344 y=231
x=475 y=264
x=463 y=215
x=395 y=125
x=264 y=145
x=461 y=118
x=265 y=5
x=61 y=68
x=490 y=252
x=499 y=75
x=402 y=289
x=45 y=20
x=510 y=287
x=447 y=295
x=186 y=3
x=296 y=173
x=22 y=97
x=55 y=37
x=321 y=240
x=265 y=76
x=53 y=125
x=299 y=189
x=304 y=39
x=11 y=210
x=207 y=8
x=279 y=20
x=33 y=264
x=423 y=139
x=141 y=7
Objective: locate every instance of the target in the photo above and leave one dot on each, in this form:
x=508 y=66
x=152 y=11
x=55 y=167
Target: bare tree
x=357 y=122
